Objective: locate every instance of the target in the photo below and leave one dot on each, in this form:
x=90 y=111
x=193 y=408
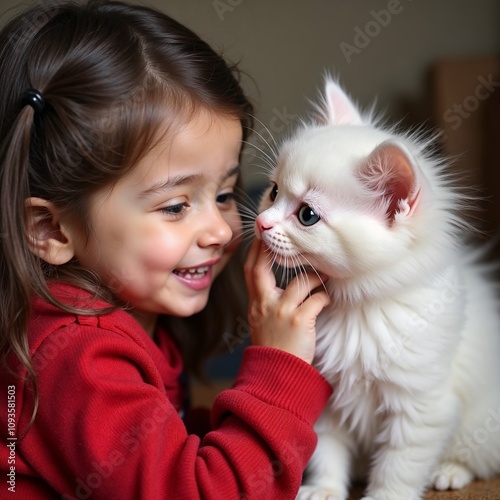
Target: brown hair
x=110 y=74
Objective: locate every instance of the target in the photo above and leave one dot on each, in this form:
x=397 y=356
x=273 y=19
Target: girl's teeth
x=194 y=273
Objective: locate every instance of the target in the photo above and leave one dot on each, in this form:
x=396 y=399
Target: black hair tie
x=35 y=99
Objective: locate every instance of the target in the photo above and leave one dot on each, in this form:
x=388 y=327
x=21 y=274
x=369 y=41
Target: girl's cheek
x=165 y=251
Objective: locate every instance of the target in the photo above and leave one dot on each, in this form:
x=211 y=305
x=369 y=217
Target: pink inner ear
x=341 y=110
x=389 y=171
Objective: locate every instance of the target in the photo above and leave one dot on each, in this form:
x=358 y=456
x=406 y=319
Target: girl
x=120 y=138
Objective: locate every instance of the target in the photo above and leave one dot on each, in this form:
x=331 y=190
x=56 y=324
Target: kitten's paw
x=451 y=476
x=319 y=493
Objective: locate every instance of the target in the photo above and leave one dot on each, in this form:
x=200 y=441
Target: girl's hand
x=283 y=319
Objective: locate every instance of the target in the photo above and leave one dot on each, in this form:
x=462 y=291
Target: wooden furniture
x=466 y=107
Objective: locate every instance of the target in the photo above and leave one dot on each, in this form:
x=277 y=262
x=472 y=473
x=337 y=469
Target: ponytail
x=21 y=274
x=18 y=265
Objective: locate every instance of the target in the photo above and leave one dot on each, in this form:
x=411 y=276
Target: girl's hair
x=111 y=75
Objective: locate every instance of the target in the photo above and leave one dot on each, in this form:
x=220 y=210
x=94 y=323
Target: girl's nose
x=215 y=230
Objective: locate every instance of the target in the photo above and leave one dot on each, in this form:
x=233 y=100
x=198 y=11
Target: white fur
x=411 y=340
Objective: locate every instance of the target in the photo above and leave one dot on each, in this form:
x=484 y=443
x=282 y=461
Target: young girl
x=120 y=134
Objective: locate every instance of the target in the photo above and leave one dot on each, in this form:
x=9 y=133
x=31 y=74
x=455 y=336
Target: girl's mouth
x=192 y=274
x=196 y=278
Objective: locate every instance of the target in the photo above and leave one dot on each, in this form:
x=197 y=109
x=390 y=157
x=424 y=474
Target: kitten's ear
x=391 y=173
x=339 y=108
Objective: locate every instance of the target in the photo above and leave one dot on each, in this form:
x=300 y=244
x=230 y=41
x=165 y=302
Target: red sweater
x=108 y=423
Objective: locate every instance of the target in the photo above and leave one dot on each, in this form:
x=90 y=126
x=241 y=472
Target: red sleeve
x=105 y=428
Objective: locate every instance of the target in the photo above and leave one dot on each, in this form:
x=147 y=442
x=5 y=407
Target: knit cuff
x=284 y=380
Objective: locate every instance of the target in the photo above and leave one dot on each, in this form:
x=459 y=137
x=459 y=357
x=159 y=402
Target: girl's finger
x=314 y=304
x=250 y=261
x=264 y=279
x=259 y=273
x=301 y=287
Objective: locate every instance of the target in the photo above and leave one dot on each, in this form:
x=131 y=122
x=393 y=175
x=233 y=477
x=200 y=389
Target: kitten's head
x=351 y=199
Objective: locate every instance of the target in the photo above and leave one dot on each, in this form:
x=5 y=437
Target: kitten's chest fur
x=379 y=353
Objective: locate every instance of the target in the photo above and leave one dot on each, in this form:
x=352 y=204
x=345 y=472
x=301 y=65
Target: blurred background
x=382 y=50
x=426 y=62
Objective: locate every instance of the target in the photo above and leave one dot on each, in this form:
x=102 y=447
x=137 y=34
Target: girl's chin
x=186 y=313
x=148 y=316
x=188 y=307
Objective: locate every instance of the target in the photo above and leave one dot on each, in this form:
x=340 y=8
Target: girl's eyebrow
x=180 y=180
x=232 y=172
x=170 y=183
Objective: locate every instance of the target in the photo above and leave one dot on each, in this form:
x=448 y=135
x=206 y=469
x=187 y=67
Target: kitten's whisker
x=259 y=153
x=315 y=272
x=247 y=212
x=268 y=166
x=269 y=159
x=248 y=224
x=247 y=235
x=244 y=235
x=283 y=276
x=288 y=274
x=294 y=274
x=248 y=218
x=273 y=265
x=242 y=195
x=248 y=215
x=261 y=171
x=246 y=244
x=272 y=257
x=273 y=152
x=270 y=135
x=303 y=275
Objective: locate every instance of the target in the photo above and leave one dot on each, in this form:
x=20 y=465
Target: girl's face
x=168 y=227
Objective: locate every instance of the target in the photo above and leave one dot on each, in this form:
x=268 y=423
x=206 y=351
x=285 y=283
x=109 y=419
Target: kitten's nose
x=262 y=225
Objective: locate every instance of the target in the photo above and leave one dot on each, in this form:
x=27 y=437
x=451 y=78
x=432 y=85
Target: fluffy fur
x=411 y=340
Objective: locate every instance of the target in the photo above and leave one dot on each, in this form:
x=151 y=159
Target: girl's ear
x=47 y=236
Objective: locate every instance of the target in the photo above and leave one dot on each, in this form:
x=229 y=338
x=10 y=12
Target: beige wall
x=286 y=46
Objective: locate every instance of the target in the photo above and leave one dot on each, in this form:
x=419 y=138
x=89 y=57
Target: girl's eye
x=274 y=192
x=225 y=198
x=176 y=209
x=307 y=216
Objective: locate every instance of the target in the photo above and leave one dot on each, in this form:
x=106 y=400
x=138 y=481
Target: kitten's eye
x=274 y=192
x=307 y=216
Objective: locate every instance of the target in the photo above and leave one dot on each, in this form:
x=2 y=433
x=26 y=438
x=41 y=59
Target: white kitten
x=411 y=340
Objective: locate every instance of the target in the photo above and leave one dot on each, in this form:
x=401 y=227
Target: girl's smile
x=198 y=277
